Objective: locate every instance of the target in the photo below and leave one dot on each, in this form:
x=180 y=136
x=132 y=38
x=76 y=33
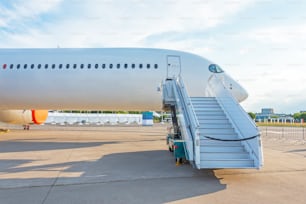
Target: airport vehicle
x=202 y=98
x=177 y=146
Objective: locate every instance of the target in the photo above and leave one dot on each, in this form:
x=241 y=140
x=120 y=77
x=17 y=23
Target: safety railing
x=175 y=93
x=243 y=124
x=287 y=132
x=191 y=119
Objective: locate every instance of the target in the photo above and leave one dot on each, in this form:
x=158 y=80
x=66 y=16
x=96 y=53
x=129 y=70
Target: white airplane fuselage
x=98 y=79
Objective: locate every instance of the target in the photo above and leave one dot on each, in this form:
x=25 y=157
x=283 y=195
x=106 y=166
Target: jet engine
x=23 y=117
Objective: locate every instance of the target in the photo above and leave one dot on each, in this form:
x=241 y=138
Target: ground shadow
x=132 y=177
x=297 y=150
x=26 y=145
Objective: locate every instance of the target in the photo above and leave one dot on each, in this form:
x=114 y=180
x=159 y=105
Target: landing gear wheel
x=26 y=127
x=178 y=161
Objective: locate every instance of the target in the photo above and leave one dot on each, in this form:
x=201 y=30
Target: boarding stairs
x=217 y=132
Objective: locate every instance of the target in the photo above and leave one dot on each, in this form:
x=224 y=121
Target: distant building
x=268 y=115
x=267 y=111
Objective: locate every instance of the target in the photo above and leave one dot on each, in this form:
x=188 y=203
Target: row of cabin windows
x=82 y=66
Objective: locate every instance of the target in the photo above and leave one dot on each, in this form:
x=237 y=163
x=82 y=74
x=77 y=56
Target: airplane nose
x=236 y=89
x=243 y=94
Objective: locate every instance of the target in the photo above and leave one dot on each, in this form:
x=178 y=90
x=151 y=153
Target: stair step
x=220 y=136
x=207 y=110
x=207 y=142
x=227 y=163
x=206 y=105
x=203 y=103
x=217 y=134
x=202 y=98
x=209 y=131
x=211 y=121
x=209 y=113
x=216 y=126
x=201 y=106
x=211 y=117
x=214 y=149
x=224 y=155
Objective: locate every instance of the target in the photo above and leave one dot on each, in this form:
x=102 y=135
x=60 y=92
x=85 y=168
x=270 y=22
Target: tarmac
x=132 y=164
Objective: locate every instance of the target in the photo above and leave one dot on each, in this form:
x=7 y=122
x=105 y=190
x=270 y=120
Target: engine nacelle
x=23 y=117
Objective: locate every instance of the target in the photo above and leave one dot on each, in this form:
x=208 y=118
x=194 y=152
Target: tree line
x=299 y=116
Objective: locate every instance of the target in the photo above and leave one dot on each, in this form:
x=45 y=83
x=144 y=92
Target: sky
x=260 y=43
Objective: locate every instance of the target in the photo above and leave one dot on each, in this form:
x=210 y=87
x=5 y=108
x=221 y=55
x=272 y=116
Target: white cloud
x=115 y=23
x=269 y=61
x=32 y=8
x=277 y=86
x=22 y=11
x=285 y=34
x=2 y=22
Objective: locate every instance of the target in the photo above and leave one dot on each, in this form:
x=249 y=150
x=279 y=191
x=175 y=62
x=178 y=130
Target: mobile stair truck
x=212 y=130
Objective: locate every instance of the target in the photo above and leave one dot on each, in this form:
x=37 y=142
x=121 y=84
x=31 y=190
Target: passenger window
x=4 y=66
x=89 y=66
x=32 y=66
x=53 y=66
x=18 y=66
x=60 y=66
x=140 y=66
x=82 y=66
x=148 y=66
x=67 y=66
x=103 y=66
x=74 y=66
x=46 y=66
x=133 y=66
x=96 y=66
x=39 y=66
x=155 y=66
x=110 y=66
x=125 y=66
x=11 y=66
x=25 y=66
x=118 y=66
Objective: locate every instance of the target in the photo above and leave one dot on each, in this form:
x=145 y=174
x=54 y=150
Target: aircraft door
x=173 y=66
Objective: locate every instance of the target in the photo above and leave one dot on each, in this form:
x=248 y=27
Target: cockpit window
x=215 y=68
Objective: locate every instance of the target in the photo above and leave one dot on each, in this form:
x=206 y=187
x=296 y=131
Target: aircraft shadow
x=297 y=150
x=27 y=145
x=132 y=177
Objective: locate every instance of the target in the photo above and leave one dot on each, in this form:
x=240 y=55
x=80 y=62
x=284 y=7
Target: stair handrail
x=188 y=130
x=193 y=123
x=184 y=131
x=234 y=100
x=189 y=104
x=221 y=96
x=172 y=96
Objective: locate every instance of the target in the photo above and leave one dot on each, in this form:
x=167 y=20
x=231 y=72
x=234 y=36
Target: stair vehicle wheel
x=179 y=160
